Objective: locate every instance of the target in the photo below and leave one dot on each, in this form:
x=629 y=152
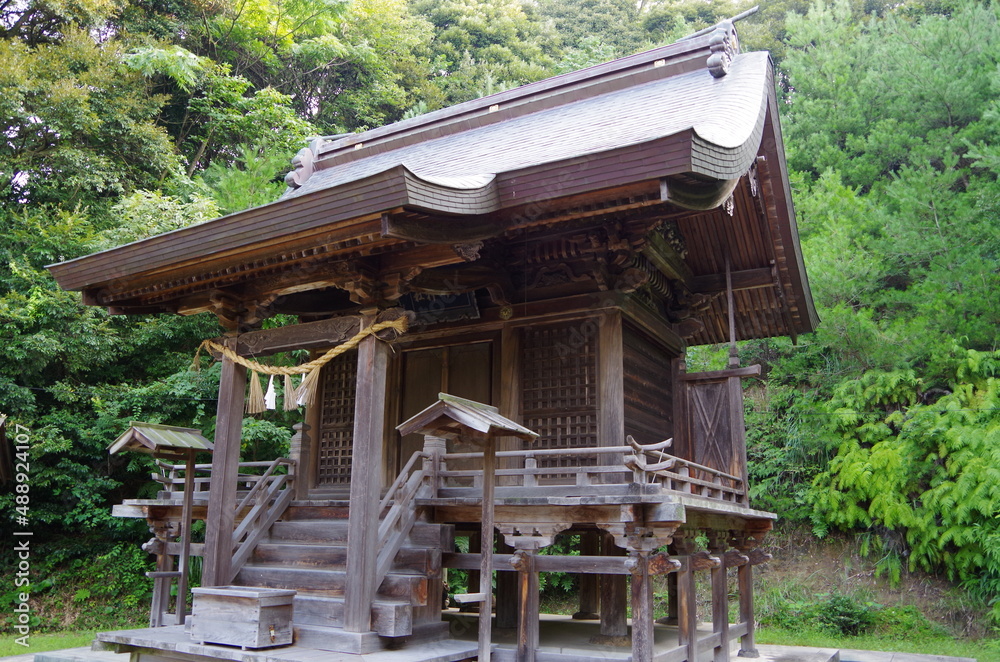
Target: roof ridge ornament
x=304 y=160
x=724 y=43
x=725 y=46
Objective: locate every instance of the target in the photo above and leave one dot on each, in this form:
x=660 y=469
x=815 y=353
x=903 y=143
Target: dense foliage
x=125 y=119
x=886 y=420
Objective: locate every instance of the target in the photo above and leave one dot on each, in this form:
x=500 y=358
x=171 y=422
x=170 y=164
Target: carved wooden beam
x=311 y=335
x=465 y=278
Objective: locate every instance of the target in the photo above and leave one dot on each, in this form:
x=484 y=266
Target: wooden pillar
x=681 y=446
x=671 y=618
x=486 y=550
x=614 y=594
x=527 y=622
x=185 y=558
x=687 y=618
x=300 y=452
x=611 y=391
x=507 y=592
x=475 y=547
x=642 y=608
x=720 y=608
x=162 y=581
x=225 y=468
x=590 y=585
x=744 y=580
x=366 y=483
x=508 y=385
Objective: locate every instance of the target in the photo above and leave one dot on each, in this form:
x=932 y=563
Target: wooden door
x=559 y=389
x=334 y=437
x=714 y=430
x=461 y=370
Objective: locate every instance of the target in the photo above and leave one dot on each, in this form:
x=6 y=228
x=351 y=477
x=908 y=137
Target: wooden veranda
x=546 y=256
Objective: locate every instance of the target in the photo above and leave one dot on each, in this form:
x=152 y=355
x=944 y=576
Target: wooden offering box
x=242 y=616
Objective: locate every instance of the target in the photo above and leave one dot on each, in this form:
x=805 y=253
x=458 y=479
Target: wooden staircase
x=307 y=551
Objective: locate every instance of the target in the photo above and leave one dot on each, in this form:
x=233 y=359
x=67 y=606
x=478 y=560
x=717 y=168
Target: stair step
x=337 y=640
x=390 y=618
x=335 y=531
x=317 y=509
x=424 y=560
x=411 y=587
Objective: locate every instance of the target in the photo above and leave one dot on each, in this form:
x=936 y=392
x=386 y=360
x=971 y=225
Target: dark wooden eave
x=379 y=205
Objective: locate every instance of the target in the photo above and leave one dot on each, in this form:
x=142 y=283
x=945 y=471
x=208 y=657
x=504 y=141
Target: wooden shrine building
x=553 y=251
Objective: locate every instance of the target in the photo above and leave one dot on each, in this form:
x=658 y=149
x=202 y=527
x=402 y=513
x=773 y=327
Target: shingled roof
x=726 y=117
x=689 y=120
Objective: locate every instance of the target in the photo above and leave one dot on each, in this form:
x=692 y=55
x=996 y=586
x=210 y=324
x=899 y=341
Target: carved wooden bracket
x=704 y=561
x=638 y=538
x=735 y=559
x=524 y=536
x=659 y=564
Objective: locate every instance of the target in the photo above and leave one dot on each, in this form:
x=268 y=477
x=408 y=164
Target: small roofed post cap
x=457 y=417
x=167 y=441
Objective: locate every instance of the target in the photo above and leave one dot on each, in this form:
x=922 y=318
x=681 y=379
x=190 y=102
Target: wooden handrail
x=208 y=467
x=535 y=471
x=396 y=525
x=277 y=497
x=396 y=484
x=546 y=452
x=260 y=481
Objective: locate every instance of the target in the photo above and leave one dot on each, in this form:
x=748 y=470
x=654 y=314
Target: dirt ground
x=835 y=566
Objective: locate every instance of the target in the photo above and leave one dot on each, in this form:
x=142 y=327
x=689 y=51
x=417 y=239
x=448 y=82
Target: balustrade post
x=434 y=463
x=530 y=464
x=299 y=453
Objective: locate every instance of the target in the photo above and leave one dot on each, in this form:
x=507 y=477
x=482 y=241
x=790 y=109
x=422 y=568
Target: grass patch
x=983 y=651
x=39 y=643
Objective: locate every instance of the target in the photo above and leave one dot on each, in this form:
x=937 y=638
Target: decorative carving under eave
x=227 y=309
x=356 y=278
x=604 y=256
x=461 y=278
x=397 y=283
x=638 y=538
x=689 y=328
x=750 y=537
x=686 y=305
x=753 y=180
x=725 y=46
x=469 y=251
x=669 y=230
x=558 y=274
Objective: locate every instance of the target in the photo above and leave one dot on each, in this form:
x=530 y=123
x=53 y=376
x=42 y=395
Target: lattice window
x=335 y=440
x=559 y=388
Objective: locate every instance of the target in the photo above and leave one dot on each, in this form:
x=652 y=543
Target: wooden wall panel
x=648 y=388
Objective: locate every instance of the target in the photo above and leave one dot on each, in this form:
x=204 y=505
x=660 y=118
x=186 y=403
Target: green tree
x=485 y=46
